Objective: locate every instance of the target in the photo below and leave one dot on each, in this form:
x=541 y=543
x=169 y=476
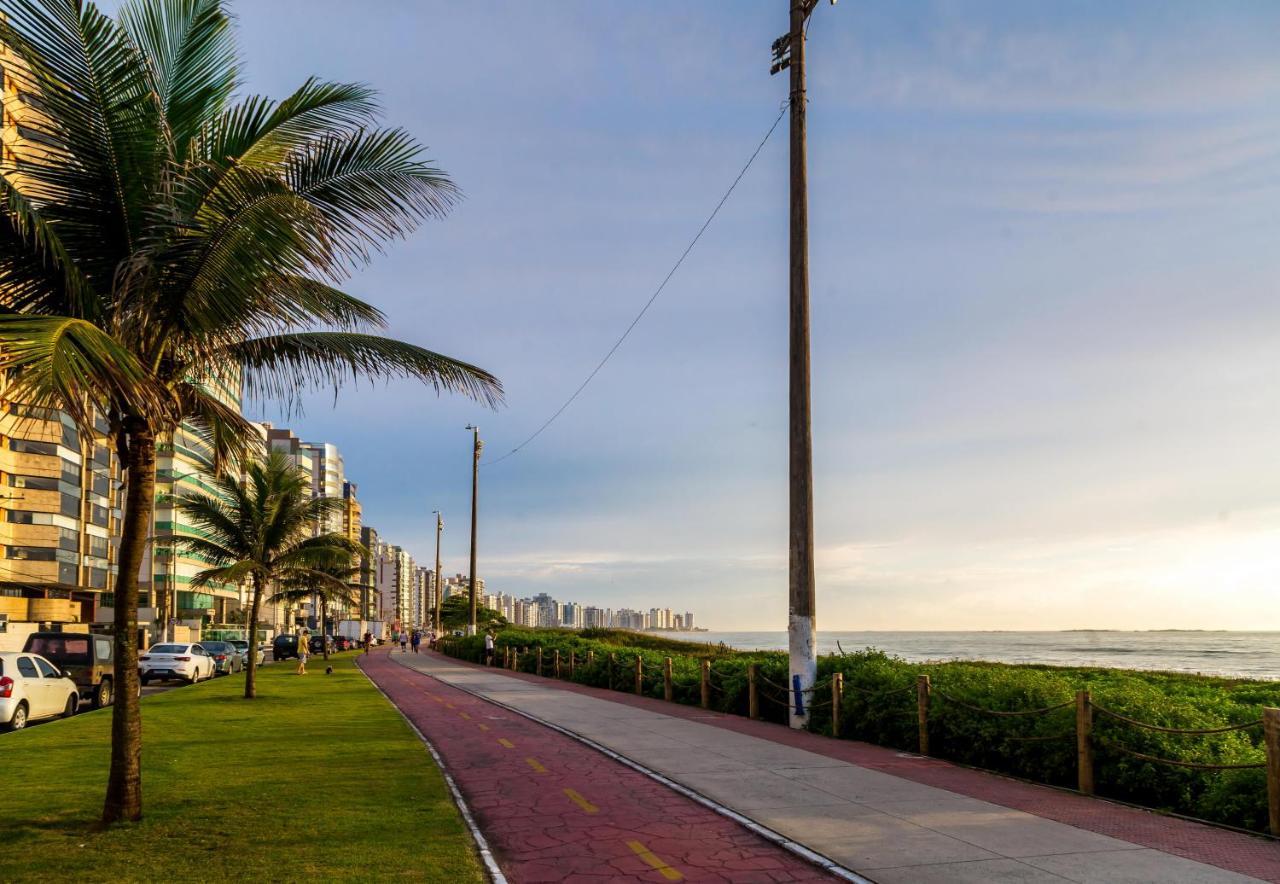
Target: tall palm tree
x=258 y=529
x=336 y=583
x=160 y=236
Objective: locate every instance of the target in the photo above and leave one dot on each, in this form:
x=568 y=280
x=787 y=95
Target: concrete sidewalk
x=885 y=827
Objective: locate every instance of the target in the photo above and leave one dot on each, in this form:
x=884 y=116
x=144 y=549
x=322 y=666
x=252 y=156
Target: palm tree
x=337 y=583
x=258 y=528
x=159 y=236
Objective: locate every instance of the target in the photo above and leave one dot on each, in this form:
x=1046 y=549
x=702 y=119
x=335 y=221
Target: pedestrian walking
x=368 y=642
x=431 y=639
x=416 y=640
x=488 y=647
x=404 y=640
x=303 y=650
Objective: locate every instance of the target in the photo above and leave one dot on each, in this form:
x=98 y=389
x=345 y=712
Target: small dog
x=328 y=670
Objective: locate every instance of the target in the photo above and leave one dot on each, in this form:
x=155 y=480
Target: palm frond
x=191 y=61
x=281 y=367
x=65 y=363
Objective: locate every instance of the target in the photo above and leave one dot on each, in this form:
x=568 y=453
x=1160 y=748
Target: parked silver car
x=226 y=657
x=243 y=647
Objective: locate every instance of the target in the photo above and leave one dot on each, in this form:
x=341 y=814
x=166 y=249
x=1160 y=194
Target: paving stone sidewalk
x=553 y=809
x=873 y=810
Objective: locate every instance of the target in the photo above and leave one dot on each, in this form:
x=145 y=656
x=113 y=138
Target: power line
x=645 y=309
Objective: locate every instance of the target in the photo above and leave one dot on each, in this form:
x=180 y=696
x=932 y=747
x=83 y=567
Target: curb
x=809 y=855
x=482 y=846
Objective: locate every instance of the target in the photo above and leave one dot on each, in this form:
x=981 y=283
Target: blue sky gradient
x=1044 y=272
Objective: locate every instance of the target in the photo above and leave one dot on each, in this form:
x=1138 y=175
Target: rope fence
x=829 y=694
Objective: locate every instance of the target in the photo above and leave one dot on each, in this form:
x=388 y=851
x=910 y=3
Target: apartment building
x=395 y=570
x=60 y=502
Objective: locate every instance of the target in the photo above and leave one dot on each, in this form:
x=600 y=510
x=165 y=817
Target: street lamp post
x=477 y=447
x=439 y=625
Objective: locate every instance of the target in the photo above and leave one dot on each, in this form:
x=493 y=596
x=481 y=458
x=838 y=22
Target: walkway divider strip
x=482 y=846
x=576 y=798
x=827 y=864
x=658 y=864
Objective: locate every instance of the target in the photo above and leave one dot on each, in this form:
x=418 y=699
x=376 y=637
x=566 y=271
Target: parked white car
x=175 y=660
x=32 y=688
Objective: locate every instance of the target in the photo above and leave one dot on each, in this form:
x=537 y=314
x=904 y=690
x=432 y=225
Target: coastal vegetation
x=879 y=706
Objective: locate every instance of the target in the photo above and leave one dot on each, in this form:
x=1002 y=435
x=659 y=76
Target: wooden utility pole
x=439 y=624
x=475 y=495
x=788 y=53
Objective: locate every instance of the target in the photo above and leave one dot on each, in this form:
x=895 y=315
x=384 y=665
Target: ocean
x=1251 y=654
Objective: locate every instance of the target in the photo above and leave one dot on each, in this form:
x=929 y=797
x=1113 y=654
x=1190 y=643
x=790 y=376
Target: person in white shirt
x=488 y=648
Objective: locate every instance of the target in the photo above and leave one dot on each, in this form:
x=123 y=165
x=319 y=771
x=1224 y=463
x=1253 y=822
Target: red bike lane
x=554 y=809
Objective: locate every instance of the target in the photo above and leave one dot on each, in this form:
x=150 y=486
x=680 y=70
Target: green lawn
x=319 y=778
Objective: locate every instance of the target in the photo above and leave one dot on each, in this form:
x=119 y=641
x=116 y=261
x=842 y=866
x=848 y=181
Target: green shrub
x=879 y=706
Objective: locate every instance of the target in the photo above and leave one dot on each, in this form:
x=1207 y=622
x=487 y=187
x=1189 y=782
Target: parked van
x=88 y=659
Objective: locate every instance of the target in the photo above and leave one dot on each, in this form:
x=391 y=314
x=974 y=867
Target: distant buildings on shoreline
x=544 y=611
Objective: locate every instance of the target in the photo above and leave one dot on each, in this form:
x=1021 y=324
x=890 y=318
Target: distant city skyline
x=1044 y=310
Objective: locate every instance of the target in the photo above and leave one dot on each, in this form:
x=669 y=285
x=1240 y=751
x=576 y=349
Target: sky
x=1045 y=318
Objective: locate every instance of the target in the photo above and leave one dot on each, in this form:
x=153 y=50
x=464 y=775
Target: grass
x=319 y=778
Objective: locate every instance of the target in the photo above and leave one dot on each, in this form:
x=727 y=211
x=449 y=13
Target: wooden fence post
x=639 y=674
x=706 y=684
x=613 y=661
x=1084 y=743
x=539 y=660
x=571 y=655
x=922 y=712
x=837 y=693
x=591 y=657
x=1271 y=734
x=753 y=693
x=556 y=662
x=666 y=680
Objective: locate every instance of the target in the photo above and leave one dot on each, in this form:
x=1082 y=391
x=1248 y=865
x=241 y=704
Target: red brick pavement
x=1238 y=852
x=553 y=809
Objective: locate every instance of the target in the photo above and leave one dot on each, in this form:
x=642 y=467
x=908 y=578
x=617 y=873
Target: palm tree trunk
x=251 y=673
x=124 y=783
x=324 y=636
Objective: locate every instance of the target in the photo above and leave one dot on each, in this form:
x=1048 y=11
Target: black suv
x=284 y=647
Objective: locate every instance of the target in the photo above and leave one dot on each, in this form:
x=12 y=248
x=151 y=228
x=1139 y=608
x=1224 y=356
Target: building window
x=70 y=506
x=101 y=484
x=19 y=517
x=35 y=483
x=29 y=446
x=98 y=515
x=97 y=578
x=31 y=553
x=68 y=540
x=98 y=546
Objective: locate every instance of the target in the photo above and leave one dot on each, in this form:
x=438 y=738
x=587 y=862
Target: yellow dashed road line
x=505 y=742
x=577 y=799
x=484 y=727
x=653 y=860
x=465 y=715
x=536 y=765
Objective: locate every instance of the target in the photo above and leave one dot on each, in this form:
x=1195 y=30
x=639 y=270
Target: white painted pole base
x=802 y=643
